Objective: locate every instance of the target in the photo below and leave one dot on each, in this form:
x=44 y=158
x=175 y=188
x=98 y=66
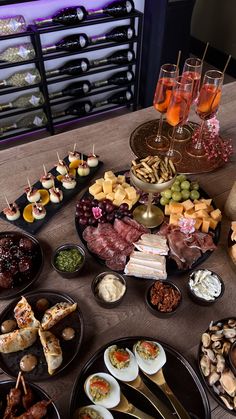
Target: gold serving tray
x=139 y=144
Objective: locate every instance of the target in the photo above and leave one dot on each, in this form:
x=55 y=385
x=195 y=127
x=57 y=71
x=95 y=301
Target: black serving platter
x=171 y=266
x=6 y=385
x=179 y=374
x=9 y=363
x=37 y=260
x=51 y=208
x=209 y=388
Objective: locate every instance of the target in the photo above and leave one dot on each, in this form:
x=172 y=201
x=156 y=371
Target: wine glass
x=178 y=111
x=165 y=84
x=207 y=106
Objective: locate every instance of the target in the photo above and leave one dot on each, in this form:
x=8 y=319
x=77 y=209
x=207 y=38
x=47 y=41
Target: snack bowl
x=199 y=300
x=97 y=282
x=168 y=286
x=232 y=357
x=65 y=273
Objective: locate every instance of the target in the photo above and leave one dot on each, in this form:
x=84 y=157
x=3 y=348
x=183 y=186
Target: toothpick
x=93 y=150
x=18 y=379
x=58 y=157
x=74 y=148
x=7 y=201
x=45 y=171
x=226 y=65
x=82 y=158
x=178 y=59
x=28 y=182
x=205 y=51
x=23 y=384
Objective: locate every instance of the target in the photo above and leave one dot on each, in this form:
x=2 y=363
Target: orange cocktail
x=208 y=101
x=163 y=94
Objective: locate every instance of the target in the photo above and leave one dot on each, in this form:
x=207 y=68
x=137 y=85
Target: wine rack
x=134 y=20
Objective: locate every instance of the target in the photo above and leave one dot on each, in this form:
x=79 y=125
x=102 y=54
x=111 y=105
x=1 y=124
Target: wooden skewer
x=23 y=384
x=28 y=182
x=178 y=59
x=45 y=171
x=226 y=65
x=93 y=150
x=7 y=201
x=74 y=148
x=18 y=379
x=82 y=158
x=58 y=157
x=205 y=51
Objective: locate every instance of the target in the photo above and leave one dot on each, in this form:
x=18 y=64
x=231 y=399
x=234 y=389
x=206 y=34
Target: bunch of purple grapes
x=85 y=215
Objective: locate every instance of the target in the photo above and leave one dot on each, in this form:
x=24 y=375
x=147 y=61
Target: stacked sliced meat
x=114 y=243
x=185 y=249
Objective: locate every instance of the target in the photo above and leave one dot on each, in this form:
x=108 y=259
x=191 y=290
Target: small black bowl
x=202 y=301
x=94 y=285
x=153 y=309
x=68 y=246
x=232 y=364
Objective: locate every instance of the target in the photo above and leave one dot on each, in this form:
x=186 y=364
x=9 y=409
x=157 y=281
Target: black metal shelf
x=18 y=63
x=15 y=35
x=16 y=111
x=7 y=90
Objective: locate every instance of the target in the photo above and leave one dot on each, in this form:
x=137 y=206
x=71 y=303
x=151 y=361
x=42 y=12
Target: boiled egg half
x=103 y=412
x=102 y=389
x=121 y=363
x=150 y=356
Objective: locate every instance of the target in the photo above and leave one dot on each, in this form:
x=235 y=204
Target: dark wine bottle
x=73 y=68
x=79 y=89
x=70 y=16
x=78 y=109
x=120 y=98
x=119 y=79
x=77 y=42
x=118 y=57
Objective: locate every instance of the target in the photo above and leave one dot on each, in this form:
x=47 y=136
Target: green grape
x=185 y=194
x=194 y=194
x=194 y=186
x=167 y=193
x=185 y=185
x=175 y=188
x=181 y=178
x=176 y=182
x=177 y=196
x=164 y=201
x=162 y=193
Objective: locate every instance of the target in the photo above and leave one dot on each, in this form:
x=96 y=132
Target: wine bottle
x=80 y=41
x=70 y=16
x=78 y=109
x=121 y=78
x=120 y=98
x=30 y=100
x=22 y=78
x=29 y=121
x=78 y=89
x=118 y=57
x=18 y=53
x=12 y=25
x=73 y=68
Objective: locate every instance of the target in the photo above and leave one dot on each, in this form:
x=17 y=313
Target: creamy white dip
x=110 y=288
x=205 y=284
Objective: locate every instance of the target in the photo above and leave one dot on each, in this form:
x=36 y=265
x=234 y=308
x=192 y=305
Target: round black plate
x=37 y=265
x=171 y=266
x=9 y=363
x=179 y=374
x=209 y=388
x=40 y=394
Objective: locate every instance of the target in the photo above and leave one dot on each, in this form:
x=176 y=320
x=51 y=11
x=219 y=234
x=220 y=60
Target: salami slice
x=117 y=263
x=135 y=224
x=88 y=233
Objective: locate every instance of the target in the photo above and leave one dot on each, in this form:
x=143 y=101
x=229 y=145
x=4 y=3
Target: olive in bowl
x=68 y=260
x=109 y=289
x=163 y=298
x=205 y=287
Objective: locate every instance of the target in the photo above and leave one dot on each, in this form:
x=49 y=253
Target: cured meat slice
x=183 y=255
x=201 y=240
x=127 y=232
x=117 y=263
x=88 y=233
x=135 y=224
x=100 y=247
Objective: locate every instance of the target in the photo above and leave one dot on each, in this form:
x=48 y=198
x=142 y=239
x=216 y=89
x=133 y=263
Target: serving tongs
x=158 y=378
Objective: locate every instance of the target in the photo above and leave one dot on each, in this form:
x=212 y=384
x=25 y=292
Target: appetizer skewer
x=61 y=166
x=38 y=211
x=68 y=181
x=12 y=212
x=83 y=169
x=56 y=195
x=92 y=159
x=73 y=155
x=33 y=195
x=47 y=179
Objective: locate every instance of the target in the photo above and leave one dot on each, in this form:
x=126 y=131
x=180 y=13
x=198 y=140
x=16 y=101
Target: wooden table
x=183 y=330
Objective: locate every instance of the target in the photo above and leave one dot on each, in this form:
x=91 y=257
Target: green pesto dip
x=68 y=260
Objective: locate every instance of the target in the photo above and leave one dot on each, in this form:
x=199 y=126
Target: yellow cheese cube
x=120 y=179
x=216 y=214
x=125 y=185
x=109 y=174
x=174 y=219
x=130 y=193
x=167 y=210
x=127 y=201
x=135 y=199
x=207 y=201
x=120 y=194
x=110 y=196
x=118 y=202
x=176 y=208
x=200 y=206
x=198 y=223
x=202 y=214
x=190 y=214
x=196 y=201
x=213 y=223
x=210 y=208
x=100 y=196
x=107 y=186
x=205 y=226
x=188 y=204
x=99 y=181
x=95 y=189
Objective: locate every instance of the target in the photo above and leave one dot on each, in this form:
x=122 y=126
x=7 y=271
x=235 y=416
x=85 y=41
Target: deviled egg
x=92 y=412
x=56 y=195
x=47 y=181
x=62 y=168
x=103 y=389
x=33 y=195
x=150 y=356
x=12 y=212
x=68 y=182
x=121 y=363
x=38 y=211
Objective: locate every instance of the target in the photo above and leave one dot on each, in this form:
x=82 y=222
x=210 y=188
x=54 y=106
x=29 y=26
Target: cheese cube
x=109 y=174
x=167 y=210
x=100 y=196
x=107 y=186
x=205 y=226
x=202 y=214
x=213 y=223
x=110 y=196
x=216 y=214
x=198 y=223
x=95 y=189
x=188 y=204
x=210 y=208
x=174 y=219
x=125 y=185
x=120 y=179
x=201 y=206
x=190 y=214
x=99 y=181
x=130 y=193
x=120 y=194
x=176 y=208
x=118 y=202
x=127 y=201
x=207 y=201
x=135 y=199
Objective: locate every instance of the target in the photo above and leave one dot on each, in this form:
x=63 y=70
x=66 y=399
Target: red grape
x=110 y=217
x=123 y=207
x=92 y=221
x=94 y=202
x=109 y=207
x=102 y=206
x=83 y=221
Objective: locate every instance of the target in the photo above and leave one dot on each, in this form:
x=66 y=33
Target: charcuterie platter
x=178 y=373
x=45 y=322
x=117 y=223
